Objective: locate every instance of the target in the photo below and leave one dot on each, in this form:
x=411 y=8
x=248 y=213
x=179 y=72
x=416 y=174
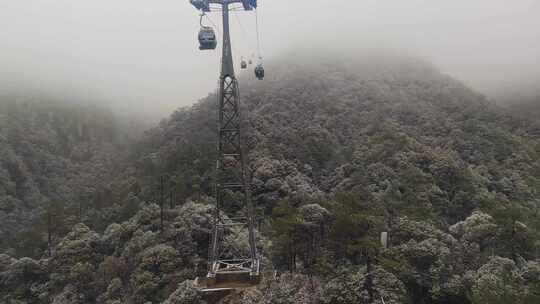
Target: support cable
x=242 y=28
x=245 y=36
x=244 y=33
x=212 y=22
x=219 y=31
x=258 y=35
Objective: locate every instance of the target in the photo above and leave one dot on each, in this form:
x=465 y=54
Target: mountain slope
x=396 y=133
x=339 y=127
x=52 y=153
x=339 y=151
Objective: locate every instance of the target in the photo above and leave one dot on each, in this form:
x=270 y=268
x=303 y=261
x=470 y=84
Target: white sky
x=142 y=55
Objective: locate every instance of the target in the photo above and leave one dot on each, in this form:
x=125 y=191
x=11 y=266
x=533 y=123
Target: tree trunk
x=161 y=201
x=49 y=232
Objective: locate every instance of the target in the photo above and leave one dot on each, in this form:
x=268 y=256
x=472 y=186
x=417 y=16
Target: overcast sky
x=142 y=55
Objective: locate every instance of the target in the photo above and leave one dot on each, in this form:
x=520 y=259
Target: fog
x=141 y=56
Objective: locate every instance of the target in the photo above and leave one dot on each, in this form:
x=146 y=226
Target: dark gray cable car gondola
x=243 y=64
x=259 y=72
x=207 y=38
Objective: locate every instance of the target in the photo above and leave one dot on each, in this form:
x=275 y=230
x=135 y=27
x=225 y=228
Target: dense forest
x=527 y=107
x=339 y=151
x=57 y=156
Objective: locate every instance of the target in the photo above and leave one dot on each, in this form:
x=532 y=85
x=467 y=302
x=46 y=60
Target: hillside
x=53 y=154
x=339 y=152
x=346 y=127
x=524 y=104
x=528 y=108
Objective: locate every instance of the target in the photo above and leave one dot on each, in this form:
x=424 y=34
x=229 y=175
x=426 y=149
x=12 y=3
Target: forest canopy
x=338 y=153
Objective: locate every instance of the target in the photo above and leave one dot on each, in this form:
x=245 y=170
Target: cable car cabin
x=243 y=64
x=207 y=38
x=259 y=72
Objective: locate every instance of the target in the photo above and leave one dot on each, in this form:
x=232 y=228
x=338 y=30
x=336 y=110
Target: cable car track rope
x=258 y=35
x=242 y=28
x=217 y=28
x=213 y=24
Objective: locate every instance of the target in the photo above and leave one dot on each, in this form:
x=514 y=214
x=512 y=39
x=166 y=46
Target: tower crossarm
x=204 y=5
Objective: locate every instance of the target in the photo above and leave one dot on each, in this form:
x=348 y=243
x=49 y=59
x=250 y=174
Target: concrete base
x=215 y=289
x=228 y=281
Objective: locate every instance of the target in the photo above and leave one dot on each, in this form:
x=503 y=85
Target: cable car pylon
x=229 y=264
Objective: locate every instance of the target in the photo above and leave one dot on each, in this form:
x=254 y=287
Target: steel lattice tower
x=231 y=186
